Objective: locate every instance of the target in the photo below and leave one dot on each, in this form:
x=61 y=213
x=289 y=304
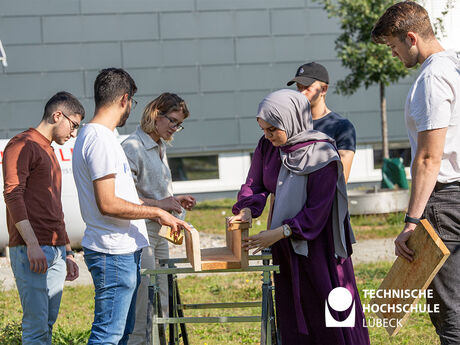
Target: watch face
x=287 y=231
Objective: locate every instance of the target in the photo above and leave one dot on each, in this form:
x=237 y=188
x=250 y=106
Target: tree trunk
x=383 y=115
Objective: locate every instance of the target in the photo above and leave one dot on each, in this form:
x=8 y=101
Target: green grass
x=76 y=311
x=209 y=217
x=73 y=324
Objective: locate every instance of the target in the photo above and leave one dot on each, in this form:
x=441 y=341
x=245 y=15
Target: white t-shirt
x=434 y=102
x=96 y=154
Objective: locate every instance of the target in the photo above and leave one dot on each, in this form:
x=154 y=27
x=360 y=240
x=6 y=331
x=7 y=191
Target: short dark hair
x=401 y=18
x=112 y=83
x=66 y=100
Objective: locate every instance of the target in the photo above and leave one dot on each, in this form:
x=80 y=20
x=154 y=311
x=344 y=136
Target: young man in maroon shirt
x=40 y=253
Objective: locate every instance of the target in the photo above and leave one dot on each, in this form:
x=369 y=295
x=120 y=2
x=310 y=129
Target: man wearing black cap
x=312 y=80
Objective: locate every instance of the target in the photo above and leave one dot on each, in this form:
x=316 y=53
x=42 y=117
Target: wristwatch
x=69 y=252
x=286 y=230
x=408 y=219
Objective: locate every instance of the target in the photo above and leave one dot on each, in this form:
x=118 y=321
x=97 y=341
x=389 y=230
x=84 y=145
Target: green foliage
x=63 y=336
x=11 y=333
x=369 y=63
x=76 y=313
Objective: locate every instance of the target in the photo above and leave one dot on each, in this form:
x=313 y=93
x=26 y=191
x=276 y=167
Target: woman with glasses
x=146 y=153
x=310 y=233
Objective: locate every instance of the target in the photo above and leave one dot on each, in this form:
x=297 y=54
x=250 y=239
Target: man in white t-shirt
x=115 y=229
x=432 y=115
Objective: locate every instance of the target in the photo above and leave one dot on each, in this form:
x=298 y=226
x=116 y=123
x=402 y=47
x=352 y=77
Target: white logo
x=339 y=299
x=300 y=71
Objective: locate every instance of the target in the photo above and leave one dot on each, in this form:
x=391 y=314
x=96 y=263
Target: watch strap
x=408 y=219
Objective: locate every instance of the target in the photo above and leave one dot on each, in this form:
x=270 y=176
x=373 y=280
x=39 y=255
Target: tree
x=369 y=63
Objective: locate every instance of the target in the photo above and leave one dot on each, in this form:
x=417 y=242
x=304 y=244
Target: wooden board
x=430 y=255
x=165 y=231
x=192 y=248
x=230 y=256
x=238 y=226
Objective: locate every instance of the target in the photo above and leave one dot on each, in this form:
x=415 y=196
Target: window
x=194 y=168
x=3 y=55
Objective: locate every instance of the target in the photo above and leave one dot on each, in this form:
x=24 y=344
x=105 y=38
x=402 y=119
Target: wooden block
x=430 y=255
x=165 y=231
x=237 y=225
x=231 y=256
x=244 y=259
x=192 y=248
x=220 y=265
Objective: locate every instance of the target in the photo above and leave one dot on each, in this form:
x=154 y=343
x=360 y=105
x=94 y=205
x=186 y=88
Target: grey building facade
x=221 y=56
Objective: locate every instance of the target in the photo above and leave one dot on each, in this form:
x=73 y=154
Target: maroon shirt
x=32 y=189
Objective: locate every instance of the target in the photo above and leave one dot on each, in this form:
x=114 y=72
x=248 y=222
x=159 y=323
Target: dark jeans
x=443 y=212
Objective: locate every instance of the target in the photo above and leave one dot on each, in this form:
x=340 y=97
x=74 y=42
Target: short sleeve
x=100 y=155
x=430 y=106
x=346 y=136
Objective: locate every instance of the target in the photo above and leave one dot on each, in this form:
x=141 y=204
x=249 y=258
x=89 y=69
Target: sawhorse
x=156 y=334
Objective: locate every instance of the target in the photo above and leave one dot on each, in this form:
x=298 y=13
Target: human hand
x=72 y=268
x=37 y=259
x=170 y=204
x=263 y=239
x=174 y=223
x=245 y=216
x=401 y=248
x=187 y=201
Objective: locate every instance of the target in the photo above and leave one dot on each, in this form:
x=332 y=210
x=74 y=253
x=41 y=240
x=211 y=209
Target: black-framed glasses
x=134 y=104
x=73 y=124
x=173 y=124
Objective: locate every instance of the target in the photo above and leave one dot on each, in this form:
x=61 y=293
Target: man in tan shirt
x=41 y=257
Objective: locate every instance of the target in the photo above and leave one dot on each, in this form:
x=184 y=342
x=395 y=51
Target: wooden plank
x=220 y=265
x=229 y=257
x=165 y=231
x=237 y=225
x=430 y=255
x=216 y=254
x=244 y=259
x=192 y=248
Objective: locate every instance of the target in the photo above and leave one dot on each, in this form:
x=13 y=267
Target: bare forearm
x=346 y=156
x=120 y=208
x=150 y=202
x=424 y=174
x=27 y=233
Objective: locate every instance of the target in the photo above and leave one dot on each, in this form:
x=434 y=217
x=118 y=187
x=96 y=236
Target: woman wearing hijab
x=310 y=233
x=146 y=153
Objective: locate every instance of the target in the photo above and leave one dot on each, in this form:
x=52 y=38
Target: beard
x=124 y=118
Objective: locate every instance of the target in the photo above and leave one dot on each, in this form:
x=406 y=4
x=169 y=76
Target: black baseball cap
x=308 y=73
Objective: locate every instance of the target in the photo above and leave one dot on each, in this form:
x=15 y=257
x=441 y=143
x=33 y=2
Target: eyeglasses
x=134 y=104
x=73 y=124
x=173 y=124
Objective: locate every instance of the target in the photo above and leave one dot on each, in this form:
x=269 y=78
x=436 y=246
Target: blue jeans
x=40 y=293
x=115 y=278
x=443 y=212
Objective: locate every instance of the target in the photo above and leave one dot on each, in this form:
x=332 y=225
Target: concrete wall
x=222 y=56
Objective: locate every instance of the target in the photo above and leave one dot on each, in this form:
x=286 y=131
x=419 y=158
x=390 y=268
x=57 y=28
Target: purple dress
x=304 y=283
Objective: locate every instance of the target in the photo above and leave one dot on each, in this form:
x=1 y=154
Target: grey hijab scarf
x=290 y=111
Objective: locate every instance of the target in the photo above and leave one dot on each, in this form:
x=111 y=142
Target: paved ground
x=364 y=252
